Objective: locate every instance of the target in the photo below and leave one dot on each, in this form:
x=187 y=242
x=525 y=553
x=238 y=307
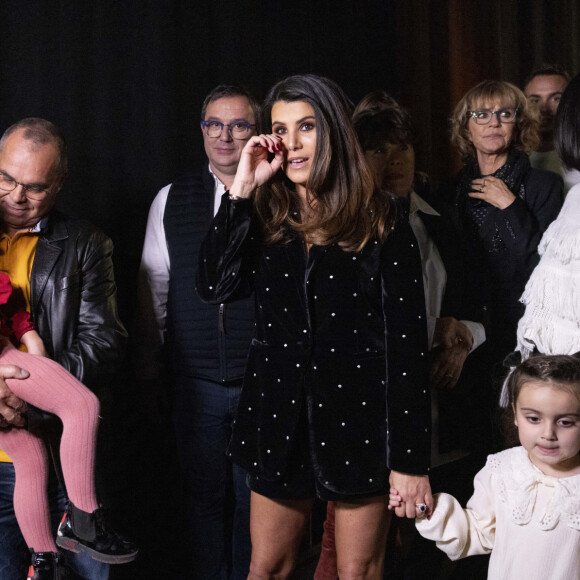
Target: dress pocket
x=269 y=409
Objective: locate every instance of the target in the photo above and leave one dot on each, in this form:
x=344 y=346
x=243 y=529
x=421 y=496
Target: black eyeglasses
x=484 y=116
x=31 y=190
x=237 y=129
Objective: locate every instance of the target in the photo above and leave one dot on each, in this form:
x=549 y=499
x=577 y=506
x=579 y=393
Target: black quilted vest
x=205 y=341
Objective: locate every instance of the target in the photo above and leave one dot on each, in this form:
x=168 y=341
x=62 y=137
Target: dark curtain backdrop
x=125 y=80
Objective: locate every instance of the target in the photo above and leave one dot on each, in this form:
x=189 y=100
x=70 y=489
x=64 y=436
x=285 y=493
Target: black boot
x=81 y=531
x=47 y=566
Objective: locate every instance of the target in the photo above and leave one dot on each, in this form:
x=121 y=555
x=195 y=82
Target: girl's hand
x=414 y=490
x=33 y=343
x=395 y=501
x=254 y=169
x=492 y=190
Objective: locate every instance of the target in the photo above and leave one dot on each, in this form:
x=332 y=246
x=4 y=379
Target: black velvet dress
x=343 y=333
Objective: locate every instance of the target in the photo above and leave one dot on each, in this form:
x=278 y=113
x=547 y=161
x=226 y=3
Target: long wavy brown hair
x=342 y=206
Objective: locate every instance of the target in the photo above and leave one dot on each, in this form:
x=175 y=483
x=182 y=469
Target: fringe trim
x=561 y=241
x=547 y=336
x=551 y=290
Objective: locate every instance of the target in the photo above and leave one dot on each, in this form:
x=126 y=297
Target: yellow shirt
x=16 y=258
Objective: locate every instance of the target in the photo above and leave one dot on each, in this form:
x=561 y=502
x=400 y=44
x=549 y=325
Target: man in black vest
x=206 y=345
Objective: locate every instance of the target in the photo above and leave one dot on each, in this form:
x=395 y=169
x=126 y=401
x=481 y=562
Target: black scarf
x=512 y=173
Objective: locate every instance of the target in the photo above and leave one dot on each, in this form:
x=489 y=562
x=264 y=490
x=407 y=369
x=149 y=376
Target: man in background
x=543 y=89
x=206 y=345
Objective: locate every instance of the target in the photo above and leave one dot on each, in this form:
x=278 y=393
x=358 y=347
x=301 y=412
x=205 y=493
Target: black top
x=503 y=242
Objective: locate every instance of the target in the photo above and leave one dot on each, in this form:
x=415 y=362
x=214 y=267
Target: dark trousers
x=218 y=497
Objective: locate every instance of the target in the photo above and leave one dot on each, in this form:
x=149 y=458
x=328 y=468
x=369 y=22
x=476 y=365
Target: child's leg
x=52 y=388
x=327 y=566
x=30 y=499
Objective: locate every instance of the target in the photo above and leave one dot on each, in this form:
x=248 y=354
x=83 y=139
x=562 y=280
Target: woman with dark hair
x=387 y=138
x=454 y=308
x=567 y=126
x=374 y=102
x=503 y=205
x=340 y=345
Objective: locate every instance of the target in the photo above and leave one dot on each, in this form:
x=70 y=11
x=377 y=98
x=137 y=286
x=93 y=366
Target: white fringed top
x=551 y=321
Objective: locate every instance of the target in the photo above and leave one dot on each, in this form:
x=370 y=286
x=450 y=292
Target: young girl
x=525 y=509
x=52 y=388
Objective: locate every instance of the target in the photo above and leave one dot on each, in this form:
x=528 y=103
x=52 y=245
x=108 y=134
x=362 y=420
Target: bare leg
x=276 y=528
x=361 y=533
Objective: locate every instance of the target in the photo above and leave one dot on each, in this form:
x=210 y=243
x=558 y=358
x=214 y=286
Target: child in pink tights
x=52 y=388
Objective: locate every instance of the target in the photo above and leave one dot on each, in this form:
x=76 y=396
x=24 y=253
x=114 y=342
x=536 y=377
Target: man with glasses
x=543 y=90
x=206 y=345
x=61 y=271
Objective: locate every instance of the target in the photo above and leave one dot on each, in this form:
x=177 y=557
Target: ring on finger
x=421 y=510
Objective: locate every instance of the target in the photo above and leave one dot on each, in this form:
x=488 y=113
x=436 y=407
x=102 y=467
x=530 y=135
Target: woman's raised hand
x=254 y=169
x=493 y=190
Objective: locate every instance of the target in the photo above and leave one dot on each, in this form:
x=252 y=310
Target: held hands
x=254 y=169
x=409 y=493
x=396 y=502
x=493 y=190
x=452 y=343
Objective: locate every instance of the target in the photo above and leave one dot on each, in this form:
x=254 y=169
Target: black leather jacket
x=73 y=299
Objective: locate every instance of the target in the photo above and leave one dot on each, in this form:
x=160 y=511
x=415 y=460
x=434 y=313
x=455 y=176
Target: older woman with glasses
x=502 y=204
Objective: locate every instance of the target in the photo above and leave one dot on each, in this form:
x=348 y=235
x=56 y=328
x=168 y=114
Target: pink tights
x=52 y=388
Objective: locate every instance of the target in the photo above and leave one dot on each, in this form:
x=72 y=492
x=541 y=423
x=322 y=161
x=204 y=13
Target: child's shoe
x=47 y=566
x=81 y=531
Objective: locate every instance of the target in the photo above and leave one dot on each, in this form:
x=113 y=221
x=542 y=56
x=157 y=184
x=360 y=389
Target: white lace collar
x=518 y=480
